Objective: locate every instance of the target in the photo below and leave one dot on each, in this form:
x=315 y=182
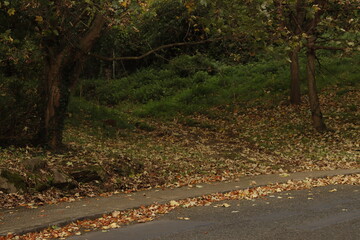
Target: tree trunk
x=113 y=66
x=296 y=25
x=316 y=114
x=62 y=70
x=55 y=94
x=295 y=94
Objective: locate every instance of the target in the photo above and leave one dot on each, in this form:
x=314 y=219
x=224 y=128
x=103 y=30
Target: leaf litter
x=251 y=141
x=254 y=140
x=149 y=213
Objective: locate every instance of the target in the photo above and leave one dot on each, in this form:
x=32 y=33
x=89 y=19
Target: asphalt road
x=324 y=213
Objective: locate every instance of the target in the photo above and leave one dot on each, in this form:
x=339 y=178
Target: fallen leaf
x=284 y=175
x=114 y=225
x=115 y=214
x=174 y=203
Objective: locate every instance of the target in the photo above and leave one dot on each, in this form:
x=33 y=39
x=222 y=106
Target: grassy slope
x=225 y=141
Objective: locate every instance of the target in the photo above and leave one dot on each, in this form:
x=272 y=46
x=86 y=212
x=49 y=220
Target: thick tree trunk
x=316 y=114
x=55 y=112
x=61 y=74
x=55 y=94
x=295 y=94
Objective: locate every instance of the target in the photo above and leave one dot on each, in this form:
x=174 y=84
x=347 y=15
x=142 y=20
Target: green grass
x=196 y=84
x=344 y=71
x=231 y=85
x=105 y=119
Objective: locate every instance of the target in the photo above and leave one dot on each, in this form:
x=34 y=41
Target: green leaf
x=11 y=12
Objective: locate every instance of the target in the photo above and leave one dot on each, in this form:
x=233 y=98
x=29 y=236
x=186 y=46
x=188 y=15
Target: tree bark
x=295 y=94
x=317 y=118
x=62 y=70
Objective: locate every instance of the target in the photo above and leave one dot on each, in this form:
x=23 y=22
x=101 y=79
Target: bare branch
x=330 y=48
x=152 y=51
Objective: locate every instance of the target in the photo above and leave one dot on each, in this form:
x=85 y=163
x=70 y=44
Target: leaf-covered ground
x=143 y=214
x=224 y=144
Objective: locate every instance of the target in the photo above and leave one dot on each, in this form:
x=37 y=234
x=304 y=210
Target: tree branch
x=152 y=51
x=330 y=48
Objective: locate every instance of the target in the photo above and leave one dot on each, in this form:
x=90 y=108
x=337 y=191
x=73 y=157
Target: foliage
x=18 y=109
x=191 y=84
x=334 y=23
x=167 y=21
x=186 y=66
x=342 y=71
x=150 y=84
x=231 y=85
x=103 y=120
x=62 y=33
x=197 y=148
x=50 y=41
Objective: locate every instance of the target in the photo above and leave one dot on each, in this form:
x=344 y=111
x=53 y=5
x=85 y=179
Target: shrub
x=150 y=84
x=19 y=119
x=186 y=85
x=81 y=111
x=185 y=65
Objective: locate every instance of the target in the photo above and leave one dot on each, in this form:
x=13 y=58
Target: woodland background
x=105 y=95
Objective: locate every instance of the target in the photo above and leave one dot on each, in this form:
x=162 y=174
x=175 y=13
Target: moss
x=145 y=126
x=14 y=178
x=42 y=187
x=89 y=174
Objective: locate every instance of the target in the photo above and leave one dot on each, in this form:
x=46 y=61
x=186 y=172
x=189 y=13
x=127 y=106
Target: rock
x=88 y=174
x=61 y=180
x=126 y=167
x=60 y=177
x=34 y=164
x=6 y=186
x=11 y=182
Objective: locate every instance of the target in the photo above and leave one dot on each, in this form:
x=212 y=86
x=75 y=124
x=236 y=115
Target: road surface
x=322 y=213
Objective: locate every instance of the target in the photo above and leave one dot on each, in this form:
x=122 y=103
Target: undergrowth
x=196 y=84
x=221 y=129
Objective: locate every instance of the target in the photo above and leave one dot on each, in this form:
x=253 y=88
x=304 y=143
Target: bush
x=186 y=66
x=18 y=110
x=341 y=71
x=231 y=85
x=191 y=84
x=81 y=111
x=150 y=84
